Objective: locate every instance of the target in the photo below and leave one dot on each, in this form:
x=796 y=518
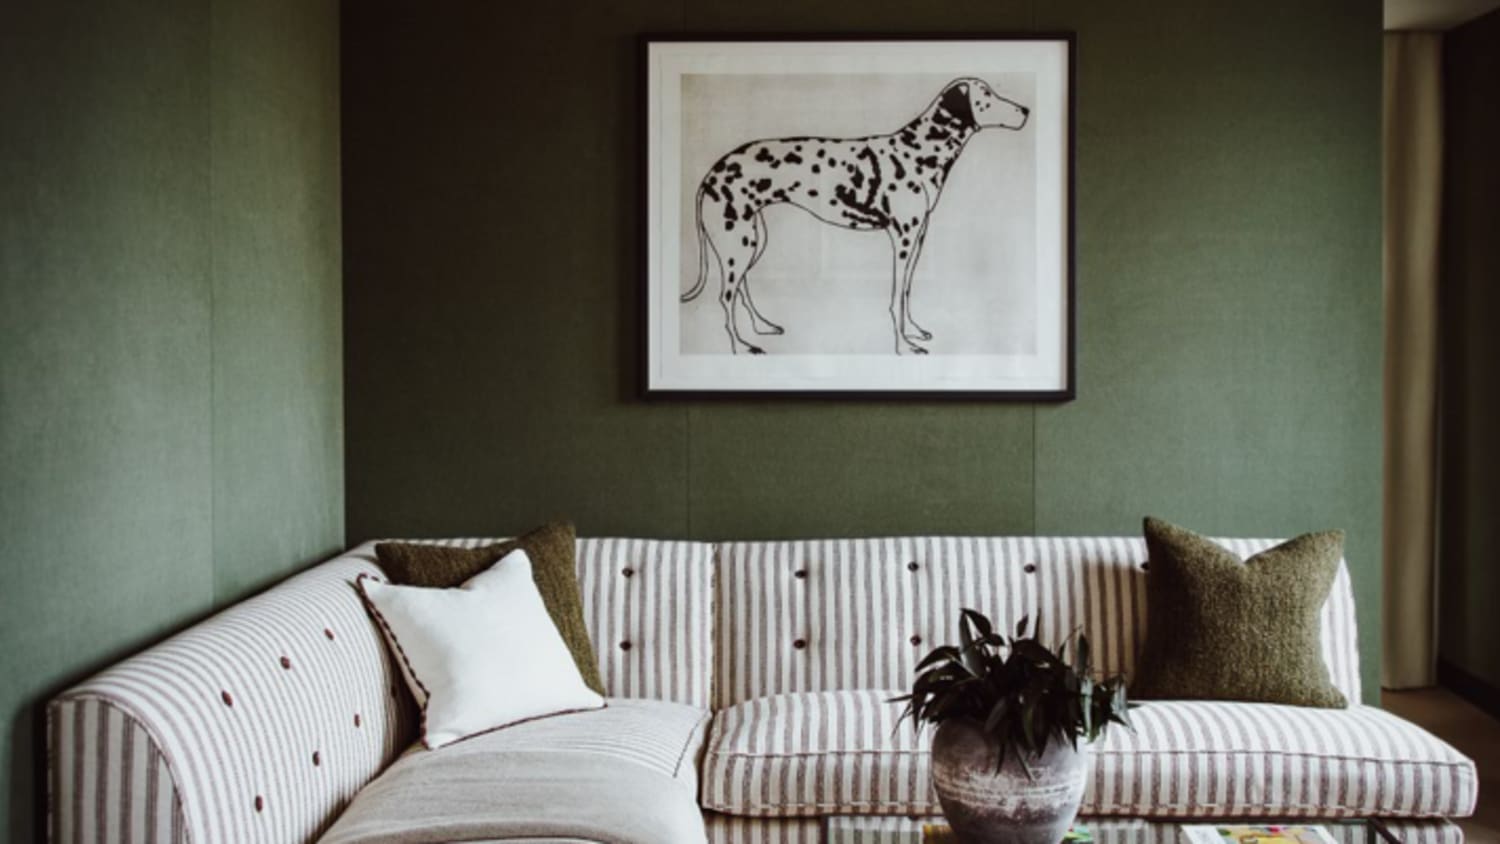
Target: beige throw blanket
x=446 y=795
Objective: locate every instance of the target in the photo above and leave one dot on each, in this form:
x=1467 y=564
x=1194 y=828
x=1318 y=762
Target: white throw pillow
x=482 y=656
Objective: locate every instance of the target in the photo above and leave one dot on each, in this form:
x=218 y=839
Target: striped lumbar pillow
x=480 y=656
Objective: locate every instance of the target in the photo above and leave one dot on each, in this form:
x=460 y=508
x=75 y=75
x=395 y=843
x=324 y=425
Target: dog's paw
x=915 y=349
x=754 y=350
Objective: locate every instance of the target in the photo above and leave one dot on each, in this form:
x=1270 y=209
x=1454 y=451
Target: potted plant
x=1010 y=713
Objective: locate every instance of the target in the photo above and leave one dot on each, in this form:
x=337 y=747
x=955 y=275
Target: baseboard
x=1481 y=693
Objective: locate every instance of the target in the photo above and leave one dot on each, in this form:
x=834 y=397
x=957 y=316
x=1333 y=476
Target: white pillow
x=482 y=656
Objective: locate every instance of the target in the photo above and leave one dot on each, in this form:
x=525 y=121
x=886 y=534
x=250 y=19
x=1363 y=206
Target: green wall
x=1228 y=270
x=170 y=376
x=1469 y=536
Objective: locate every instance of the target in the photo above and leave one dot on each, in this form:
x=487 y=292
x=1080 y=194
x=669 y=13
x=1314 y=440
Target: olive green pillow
x=551 y=549
x=1220 y=628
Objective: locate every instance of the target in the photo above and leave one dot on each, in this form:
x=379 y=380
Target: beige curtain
x=1413 y=181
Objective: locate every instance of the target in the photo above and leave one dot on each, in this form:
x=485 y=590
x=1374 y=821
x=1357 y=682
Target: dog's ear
x=955 y=101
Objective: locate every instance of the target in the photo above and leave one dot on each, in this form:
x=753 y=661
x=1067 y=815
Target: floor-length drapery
x=1413 y=144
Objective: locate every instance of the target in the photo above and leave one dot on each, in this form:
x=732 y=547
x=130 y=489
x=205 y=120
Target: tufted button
x=912 y=566
x=260 y=803
x=916 y=640
x=357 y=719
x=228 y=701
x=628 y=572
x=317 y=759
x=799 y=644
x=625 y=646
x=1146 y=566
x=800 y=574
x=1031 y=568
x=329 y=633
x=286 y=662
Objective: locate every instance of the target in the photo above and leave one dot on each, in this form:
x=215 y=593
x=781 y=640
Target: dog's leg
x=902 y=259
x=914 y=332
x=758 y=322
x=734 y=253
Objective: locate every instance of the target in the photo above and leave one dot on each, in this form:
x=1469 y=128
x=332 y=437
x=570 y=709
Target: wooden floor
x=1474 y=733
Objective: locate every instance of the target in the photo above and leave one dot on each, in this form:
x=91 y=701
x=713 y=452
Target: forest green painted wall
x=170 y=380
x=1229 y=290
x=1469 y=538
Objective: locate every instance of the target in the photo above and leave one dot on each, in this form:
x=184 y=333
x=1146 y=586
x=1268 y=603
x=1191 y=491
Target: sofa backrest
x=819 y=615
x=261 y=723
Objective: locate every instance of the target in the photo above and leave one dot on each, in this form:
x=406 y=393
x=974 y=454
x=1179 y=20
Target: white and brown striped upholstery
x=212 y=737
x=1212 y=759
x=728 y=829
x=823 y=615
x=809 y=754
x=841 y=753
x=656 y=734
x=901 y=830
x=244 y=728
x=257 y=725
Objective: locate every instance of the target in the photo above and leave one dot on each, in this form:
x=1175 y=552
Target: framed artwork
x=839 y=216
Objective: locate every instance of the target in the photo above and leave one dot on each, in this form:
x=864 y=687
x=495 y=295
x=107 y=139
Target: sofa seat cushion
x=841 y=753
x=807 y=754
x=663 y=736
x=1211 y=758
x=626 y=773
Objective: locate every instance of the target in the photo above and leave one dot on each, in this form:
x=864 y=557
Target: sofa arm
x=109 y=779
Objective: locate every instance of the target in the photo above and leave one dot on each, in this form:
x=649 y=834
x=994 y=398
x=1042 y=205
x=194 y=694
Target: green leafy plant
x=1023 y=693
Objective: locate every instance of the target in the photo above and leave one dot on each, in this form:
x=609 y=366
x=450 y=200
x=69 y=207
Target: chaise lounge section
x=751 y=680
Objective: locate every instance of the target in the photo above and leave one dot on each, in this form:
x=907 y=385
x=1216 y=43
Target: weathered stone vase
x=1005 y=806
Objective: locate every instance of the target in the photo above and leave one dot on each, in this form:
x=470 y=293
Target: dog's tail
x=702 y=248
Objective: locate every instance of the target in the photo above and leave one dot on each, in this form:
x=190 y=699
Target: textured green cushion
x=551 y=548
x=1220 y=628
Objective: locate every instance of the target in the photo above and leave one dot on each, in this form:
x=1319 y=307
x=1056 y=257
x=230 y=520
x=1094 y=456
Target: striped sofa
x=756 y=674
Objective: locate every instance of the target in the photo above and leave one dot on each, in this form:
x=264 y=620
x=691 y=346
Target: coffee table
x=904 y=830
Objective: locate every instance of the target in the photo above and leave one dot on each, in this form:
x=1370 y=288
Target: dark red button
x=799 y=644
x=916 y=640
x=328 y=633
x=228 y=701
x=260 y=804
x=628 y=572
x=1146 y=566
x=912 y=566
x=800 y=574
x=286 y=662
x=317 y=758
x=1031 y=568
x=624 y=646
x=357 y=719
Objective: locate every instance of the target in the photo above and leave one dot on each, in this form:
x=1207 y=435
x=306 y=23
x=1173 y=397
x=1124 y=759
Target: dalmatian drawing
x=887 y=183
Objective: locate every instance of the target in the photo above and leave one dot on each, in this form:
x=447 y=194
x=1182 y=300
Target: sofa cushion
x=665 y=737
x=1210 y=758
x=620 y=775
x=817 y=753
x=834 y=753
x=552 y=550
x=1230 y=628
x=648 y=608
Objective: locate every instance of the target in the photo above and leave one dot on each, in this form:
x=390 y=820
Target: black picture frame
x=652 y=290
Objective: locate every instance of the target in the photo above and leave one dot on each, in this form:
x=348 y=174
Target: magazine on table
x=1256 y=834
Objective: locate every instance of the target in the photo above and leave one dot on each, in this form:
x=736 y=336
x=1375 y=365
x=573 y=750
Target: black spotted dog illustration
x=887 y=183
